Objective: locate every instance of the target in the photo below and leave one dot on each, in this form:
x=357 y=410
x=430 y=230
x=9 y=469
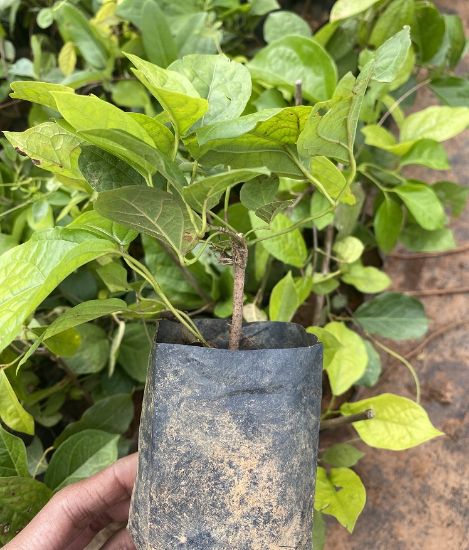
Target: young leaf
x=11 y=411
x=366 y=279
x=331 y=179
x=206 y=193
x=346 y=357
x=399 y=423
x=289 y=247
x=33 y=269
x=391 y=56
x=175 y=93
x=112 y=414
x=150 y=211
x=284 y=23
x=348 y=250
x=50 y=147
x=86 y=113
x=387 y=224
x=423 y=203
x=161 y=135
x=438 y=123
x=427 y=152
x=37 y=92
x=104 y=171
x=290 y=58
x=80 y=456
x=284 y=300
x=21 y=498
x=224 y=83
x=393 y=315
x=67 y=58
x=74 y=27
x=342 y=455
x=13 y=459
x=341 y=494
x=343 y=9
x=397 y=14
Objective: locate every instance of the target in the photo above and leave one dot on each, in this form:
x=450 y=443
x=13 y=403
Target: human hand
x=72 y=518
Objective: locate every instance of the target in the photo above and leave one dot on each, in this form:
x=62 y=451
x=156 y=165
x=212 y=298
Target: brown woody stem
x=240 y=258
x=343 y=420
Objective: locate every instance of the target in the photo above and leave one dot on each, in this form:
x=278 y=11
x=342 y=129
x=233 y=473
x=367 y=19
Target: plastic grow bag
x=228 y=440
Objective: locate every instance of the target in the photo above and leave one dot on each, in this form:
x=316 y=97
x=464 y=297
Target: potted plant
x=231 y=413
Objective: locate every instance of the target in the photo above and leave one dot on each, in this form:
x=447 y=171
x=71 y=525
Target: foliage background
x=54 y=407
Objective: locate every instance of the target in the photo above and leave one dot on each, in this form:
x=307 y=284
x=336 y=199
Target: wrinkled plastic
x=228 y=440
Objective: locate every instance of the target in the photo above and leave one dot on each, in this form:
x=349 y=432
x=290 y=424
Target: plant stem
x=240 y=258
x=299 y=92
x=344 y=420
x=319 y=302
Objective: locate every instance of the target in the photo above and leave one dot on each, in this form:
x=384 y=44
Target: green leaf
x=341 y=494
x=161 y=135
x=373 y=368
x=345 y=356
x=428 y=31
x=102 y=227
x=331 y=128
x=112 y=414
x=80 y=456
x=37 y=462
x=284 y=23
x=50 y=147
x=114 y=276
x=259 y=192
x=318 y=536
x=11 y=411
x=45 y=18
x=151 y=211
x=438 y=123
x=21 y=498
x=135 y=350
x=170 y=275
x=397 y=14
x=399 y=423
x=427 y=152
x=207 y=192
x=332 y=179
x=157 y=38
x=282 y=62
x=423 y=203
x=289 y=248
x=33 y=269
x=13 y=459
x=348 y=249
x=455 y=38
x=37 y=92
x=284 y=300
x=175 y=93
x=368 y=280
x=452 y=90
x=387 y=224
x=342 y=455
x=104 y=171
x=93 y=353
x=416 y=239
x=343 y=9
x=86 y=113
x=393 y=315
x=453 y=195
x=75 y=27
x=390 y=57
x=224 y=83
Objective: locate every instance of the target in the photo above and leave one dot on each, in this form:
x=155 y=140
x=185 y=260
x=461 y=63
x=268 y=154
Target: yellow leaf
x=67 y=58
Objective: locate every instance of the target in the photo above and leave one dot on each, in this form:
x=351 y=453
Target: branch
x=344 y=420
x=319 y=302
x=436 y=291
x=424 y=255
x=299 y=92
